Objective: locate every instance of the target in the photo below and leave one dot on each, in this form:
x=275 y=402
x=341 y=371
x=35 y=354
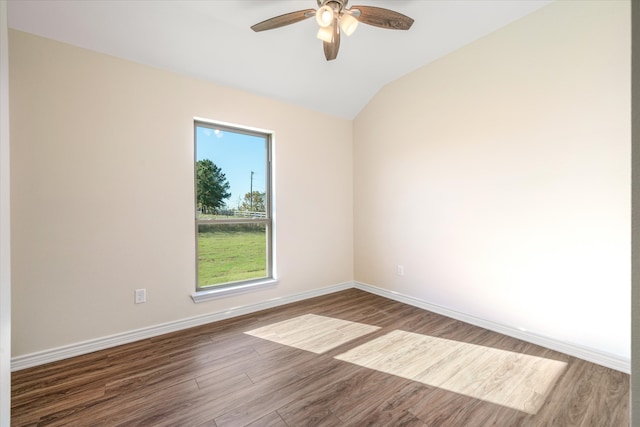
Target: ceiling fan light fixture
x=324 y=16
x=348 y=24
x=325 y=34
x=334 y=18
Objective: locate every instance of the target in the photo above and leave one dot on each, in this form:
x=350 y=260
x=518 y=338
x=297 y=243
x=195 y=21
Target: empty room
x=316 y=212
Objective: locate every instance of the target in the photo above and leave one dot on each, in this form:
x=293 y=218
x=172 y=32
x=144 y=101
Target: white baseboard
x=65 y=352
x=40 y=358
x=589 y=354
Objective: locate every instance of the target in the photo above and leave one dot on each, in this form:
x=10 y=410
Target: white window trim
x=227 y=290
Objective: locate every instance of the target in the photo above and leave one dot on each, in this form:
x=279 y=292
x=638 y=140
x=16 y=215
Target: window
x=232 y=208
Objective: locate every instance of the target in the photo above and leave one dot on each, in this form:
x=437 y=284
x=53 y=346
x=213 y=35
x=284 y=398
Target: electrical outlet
x=141 y=296
x=400 y=270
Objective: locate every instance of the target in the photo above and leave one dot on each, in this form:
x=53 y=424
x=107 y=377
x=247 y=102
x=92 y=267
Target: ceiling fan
x=333 y=15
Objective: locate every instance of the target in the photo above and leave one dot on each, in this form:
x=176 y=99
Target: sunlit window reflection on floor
x=314 y=333
x=515 y=380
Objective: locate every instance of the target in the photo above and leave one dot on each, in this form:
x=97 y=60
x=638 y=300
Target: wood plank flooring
x=363 y=361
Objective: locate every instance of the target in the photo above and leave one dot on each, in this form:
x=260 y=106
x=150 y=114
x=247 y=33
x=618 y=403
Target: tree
x=211 y=185
x=253 y=202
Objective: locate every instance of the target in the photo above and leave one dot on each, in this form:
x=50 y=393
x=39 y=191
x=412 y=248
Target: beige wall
x=499 y=176
x=102 y=193
x=635 y=208
x=5 y=226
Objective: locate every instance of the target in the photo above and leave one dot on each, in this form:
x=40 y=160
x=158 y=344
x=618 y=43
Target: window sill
x=223 y=292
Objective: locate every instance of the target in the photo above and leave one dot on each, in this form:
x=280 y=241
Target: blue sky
x=237 y=155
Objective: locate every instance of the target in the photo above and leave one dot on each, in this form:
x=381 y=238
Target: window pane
x=231 y=174
x=231 y=253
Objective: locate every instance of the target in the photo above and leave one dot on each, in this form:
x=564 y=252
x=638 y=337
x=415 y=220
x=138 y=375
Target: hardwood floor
x=345 y=359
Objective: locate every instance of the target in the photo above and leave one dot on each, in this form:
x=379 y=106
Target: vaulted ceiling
x=212 y=40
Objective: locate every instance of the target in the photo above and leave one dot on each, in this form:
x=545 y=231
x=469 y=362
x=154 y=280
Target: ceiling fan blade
x=383 y=18
x=282 y=20
x=331 y=48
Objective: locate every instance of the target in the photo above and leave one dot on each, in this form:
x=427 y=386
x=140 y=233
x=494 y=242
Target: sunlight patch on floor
x=515 y=380
x=314 y=333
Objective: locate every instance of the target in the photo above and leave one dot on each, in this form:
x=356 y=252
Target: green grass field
x=230 y=253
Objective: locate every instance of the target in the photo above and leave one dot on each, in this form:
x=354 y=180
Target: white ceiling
x=212 y=40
